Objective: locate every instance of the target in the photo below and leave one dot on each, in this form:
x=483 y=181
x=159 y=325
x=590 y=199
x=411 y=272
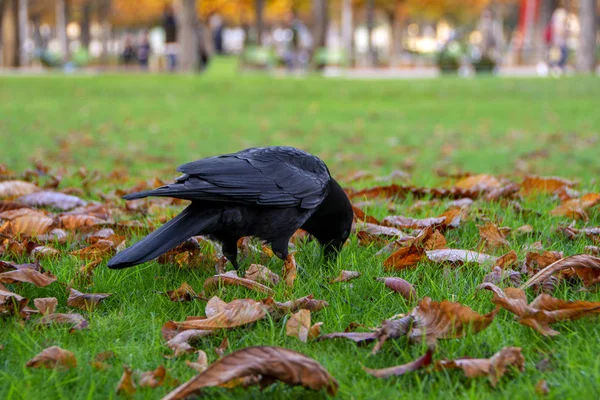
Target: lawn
x=147 y=125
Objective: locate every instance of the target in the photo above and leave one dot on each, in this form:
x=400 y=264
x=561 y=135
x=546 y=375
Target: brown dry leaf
x=409 y=256
x=272 y=363
x=402 y=222
x=201 y=364
x=126 y=384
x=183 y=293
x=542 y=311
x=227 y=315
x=399 y=370
x=260 y=273
x=28 y=275
x=222 y=347
x=53 y=357
x=289 y=270
x=76 y=321
x=541 y=388
x=178 y=341
x=29 y=223
x=458 y=256
x=153 y=379
x=44 y=252
x=587 y=268
x=507 y=260
x=361 y=216
x=46 y=305
x=492 y=237
x=304 y=303
x=498 y=275
x=100 y=249
x=9 y=189
x=231 y=278
x=299 y=326
x=525 y=229
x=401 y=286
x=85 y=301
x=446 y=320
x=536 y=261
x=47 y=198
x=544 y=184
x=576 y=208
x=494 y=367
x=55 y=235
x=345 y=276
x=76 y=221
x=11 y=303
x=357 y=337
x=480 y=183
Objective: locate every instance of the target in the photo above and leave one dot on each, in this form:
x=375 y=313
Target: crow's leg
x=230 y=251
x=280 y=248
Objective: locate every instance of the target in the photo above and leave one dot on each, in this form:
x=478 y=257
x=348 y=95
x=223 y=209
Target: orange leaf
x=53 y=357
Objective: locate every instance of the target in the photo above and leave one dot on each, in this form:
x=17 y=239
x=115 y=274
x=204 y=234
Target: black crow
x=266 y=192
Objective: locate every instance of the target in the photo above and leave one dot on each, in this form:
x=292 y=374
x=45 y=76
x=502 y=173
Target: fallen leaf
x=345 y=276
x=46 y=305
x=507 y=260
x=299 y=326
x=401 y=286
x=587 y=268
x=76 y=221
x=154 y=378
x=445 y=320
x=492 y=237
x=458 y=256
x=126 y=384
x=541 y=388
x=29 y=223
x=227 y=315
x=544 y=184
x=55 y=235
x=260 y=273
x=499 y=275
x=576 y=208
x=482 y=182
x=44 y=251
x=222 y=347
x=414 y=251
x=11 y=303
x=289 y=270
x=183 y=293
x=232 y=279
x=85 y=301
x=494 y=367
x=542 y=311
x=402 y=222
x=100 y=249
x=357 y=337
x=180 y=341
x=29 y=276
x=47 y=198
x=9 y=189
x=303 y=303
x=272 y=363
x=379 y=230
x=399 y=370
x=201 y=364
x=76 y=321
x=53 y=357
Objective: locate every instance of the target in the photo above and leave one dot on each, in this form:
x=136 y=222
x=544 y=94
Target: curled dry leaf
x=299 y=326
x=55 y=235
x=76 y=321
x=345 y=276
x=100 y=249
x=44 y=251
x=153 y=379
x=76 y=221
x=11 y=303
x=29 y=276
x=542 y=311
x=201 y=364
x=223 y=315
x=371 y=232
x=576 y=208
x=544 y=184
x=446 y=320
x=289 y=270
x=28 y=222
x=183 y=293
x=232 y=279
x=492 y=237
x=53 y=357
x=85 y=301
x=126 y=384
x=401 y=286
x=271 y=363
x=498 y=275
x=47 y=198
x=9 y=189
x=409 y=256
x=46 y=305
x=361 y=216
x=222 y=347
x=402 y=222
x=587 y=268
x=507 y=260
x=277 y=309
x=480 y=183
x=494 y=367
x=398 y=370
x=458 y=256
x=260 y=273
x=180 y=342
x=541 y=388
x=357 y=337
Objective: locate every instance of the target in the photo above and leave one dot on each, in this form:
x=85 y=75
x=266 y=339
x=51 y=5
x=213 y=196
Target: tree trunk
x=187 y=24
x=61 y=28
x=586 y=54
x=104 y=17
x=347 y=30
x=547 y=7
x=10 y=34
x=23 y=31
x=86 y=16
x=370 y=13
x=321 y=20
x=259 y=9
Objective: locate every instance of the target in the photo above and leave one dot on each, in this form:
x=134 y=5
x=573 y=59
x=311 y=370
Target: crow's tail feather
x=163 y=191
x=188 y=223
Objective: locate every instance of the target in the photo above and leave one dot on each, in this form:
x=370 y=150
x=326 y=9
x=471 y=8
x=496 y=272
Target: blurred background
x=332 y=37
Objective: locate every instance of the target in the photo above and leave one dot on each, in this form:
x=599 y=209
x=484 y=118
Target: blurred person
x=128 y=54
x=143 y=52
x=556 y=35
x=170 y=27
x=297 y=55
x=217 y=27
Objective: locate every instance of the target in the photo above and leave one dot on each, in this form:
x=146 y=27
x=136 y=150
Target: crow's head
x=332 y=222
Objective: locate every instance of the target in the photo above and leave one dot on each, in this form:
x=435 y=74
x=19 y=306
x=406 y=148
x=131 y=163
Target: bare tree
x=103 y=10
x=187 y=35
x=86 y=17
x=347 y=28
x=259 y=7
x=370 y=13
x=61 y=27
x=23 y=31
x=321 y=20
x=586 y=55
x=10 y=33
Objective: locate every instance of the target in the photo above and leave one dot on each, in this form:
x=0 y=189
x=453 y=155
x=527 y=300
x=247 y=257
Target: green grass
x=148 y=125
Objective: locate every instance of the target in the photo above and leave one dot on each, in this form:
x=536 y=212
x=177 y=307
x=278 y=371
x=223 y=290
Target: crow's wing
x=273 y=176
